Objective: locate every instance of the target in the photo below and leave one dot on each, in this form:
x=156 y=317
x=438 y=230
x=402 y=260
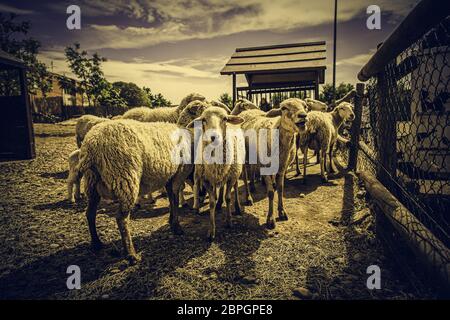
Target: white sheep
x=220 y=175
x=322 y=134
x=163 y=114
x=74 y=179
x=84 y=124
x=122 y=159
x=286 y=121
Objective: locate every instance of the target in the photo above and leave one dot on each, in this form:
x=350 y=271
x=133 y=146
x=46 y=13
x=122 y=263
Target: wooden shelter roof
x=283 y=58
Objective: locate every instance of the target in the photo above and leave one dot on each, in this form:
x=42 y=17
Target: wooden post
x=356 y=128
x=234 y=89
x=31 y=149
x=431 y=251
x=386 y=128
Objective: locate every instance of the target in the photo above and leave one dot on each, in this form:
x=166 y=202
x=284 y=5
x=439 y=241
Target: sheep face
x=193 y=110
x=345 y=111
x=293 y=114
x=214 y=121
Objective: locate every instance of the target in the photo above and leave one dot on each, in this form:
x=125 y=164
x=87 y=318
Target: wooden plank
x=430 y=250
x=285 y=45
x=278 y=58
x=356 y=128
x=274 y=66
x=281 y=51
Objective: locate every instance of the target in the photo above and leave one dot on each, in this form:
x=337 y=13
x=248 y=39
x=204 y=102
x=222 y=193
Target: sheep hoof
x=270 y=224
x=249 y=202
x=134 y=259
x=282 y=216
x=298 y=173
x=211 y=236
x=176 y=229
x=238 y=211
x=324 y=178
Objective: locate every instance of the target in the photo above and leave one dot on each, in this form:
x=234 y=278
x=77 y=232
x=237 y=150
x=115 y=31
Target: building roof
x=277 y=58
x=8 y=59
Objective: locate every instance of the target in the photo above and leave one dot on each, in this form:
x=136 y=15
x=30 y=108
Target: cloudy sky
x=176 y=47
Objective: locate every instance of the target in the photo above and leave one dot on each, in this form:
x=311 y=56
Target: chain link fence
x=405 y=130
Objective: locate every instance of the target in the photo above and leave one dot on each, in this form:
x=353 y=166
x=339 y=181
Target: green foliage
x=156 y=100
x=132 y=94
x=14 y=40
x=110 y=97
x=341 y=90
x=226 y=99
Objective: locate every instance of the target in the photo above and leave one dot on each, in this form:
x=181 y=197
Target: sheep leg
x=323 y=161
x=248 y=195
x=297 y=162
x=237 y=203
x=212 y=213
x=252 y=181
x=220 y=199
x=282 y=215
x=228 y=204
x=122 y=219
x=73 y=180
x=91 y=215
x=270 y=223
x=330 y=155
x=173 y=194
x=317 y=153
x=305 y=162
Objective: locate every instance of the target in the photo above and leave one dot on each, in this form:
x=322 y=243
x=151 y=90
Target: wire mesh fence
x=405 y=132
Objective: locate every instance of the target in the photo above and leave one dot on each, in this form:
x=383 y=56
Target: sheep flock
x=201 y=143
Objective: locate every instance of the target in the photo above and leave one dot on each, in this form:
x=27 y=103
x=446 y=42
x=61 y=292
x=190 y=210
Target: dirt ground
x=325 y=247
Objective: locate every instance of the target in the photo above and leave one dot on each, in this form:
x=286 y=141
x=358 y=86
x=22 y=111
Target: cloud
x=7 y=8
x=356 y=60
x=173 y=20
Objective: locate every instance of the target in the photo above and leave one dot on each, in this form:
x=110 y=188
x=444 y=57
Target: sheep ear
x=191 y=124
x=273 y=113
x=234 y=119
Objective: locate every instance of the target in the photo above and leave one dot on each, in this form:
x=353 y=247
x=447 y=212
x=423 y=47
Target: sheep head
x=219 y=104
x=214 y=121
x=189 y=98
x=293 y=114
x=316 y=105
x=192 y=111
x=243 y=105
x=345 y=111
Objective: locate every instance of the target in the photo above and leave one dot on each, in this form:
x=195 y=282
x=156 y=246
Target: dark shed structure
x=274 y=73
x=16 y=127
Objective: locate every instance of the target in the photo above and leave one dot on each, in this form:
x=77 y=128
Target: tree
x=159 y=101
x=341 y=90
x=132 y=94
x=79 y=64
x=97 y=84
x=225 y=98
x=14 y=40
x=156 y=100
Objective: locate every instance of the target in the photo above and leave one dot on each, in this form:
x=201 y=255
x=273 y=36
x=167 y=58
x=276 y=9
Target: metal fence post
x=356 y=128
